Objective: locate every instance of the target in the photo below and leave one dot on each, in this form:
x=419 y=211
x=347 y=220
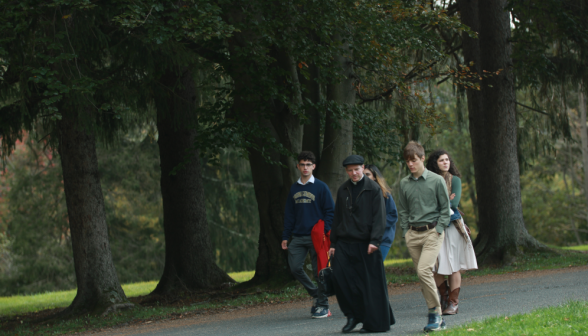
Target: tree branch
x=532 y=109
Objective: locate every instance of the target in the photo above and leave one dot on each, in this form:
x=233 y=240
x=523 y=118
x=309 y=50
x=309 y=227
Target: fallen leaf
x=471 y=329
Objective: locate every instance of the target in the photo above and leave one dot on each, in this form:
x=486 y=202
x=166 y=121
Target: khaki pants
x=424 y=247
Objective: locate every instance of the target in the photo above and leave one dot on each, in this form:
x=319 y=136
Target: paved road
x=476 y=302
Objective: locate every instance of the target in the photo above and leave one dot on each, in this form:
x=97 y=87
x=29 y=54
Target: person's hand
x=372 y=249
x=284 y=244
x=451 y=197
x=331 y=252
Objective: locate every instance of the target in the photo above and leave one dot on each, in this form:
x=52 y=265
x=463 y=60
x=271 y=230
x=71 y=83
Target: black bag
x=326 y=279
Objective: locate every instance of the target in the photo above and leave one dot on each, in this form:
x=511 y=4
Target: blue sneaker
x=321 y=313
x=314 y=306
x=436 y=323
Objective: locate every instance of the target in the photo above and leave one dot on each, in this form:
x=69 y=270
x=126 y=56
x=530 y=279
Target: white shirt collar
x=310 y=180
x=355 y=183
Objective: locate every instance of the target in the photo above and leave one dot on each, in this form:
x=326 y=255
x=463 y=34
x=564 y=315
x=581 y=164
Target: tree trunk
x=99 y=290
x=271 y=190
x=493 y=129
x=471 y=52
x=312 y=129
x=338 y=140
x=584 y=138
x=189 y=261
x=272 y=182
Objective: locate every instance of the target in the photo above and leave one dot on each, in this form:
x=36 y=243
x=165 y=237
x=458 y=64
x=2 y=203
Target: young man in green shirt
x=423 y=209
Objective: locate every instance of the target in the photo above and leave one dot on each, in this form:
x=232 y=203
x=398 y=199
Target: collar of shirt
x=355 y=183
x=424 y=175
x=310 y=180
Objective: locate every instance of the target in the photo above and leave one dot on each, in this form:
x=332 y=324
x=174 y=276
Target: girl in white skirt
x=457 y=253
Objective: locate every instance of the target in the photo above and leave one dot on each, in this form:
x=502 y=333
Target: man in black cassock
x=356 y=233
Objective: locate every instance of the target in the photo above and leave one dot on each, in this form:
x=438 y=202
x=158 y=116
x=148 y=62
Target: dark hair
x=307 y=156
x=434 y=167
x=413 y=148
x=380 y=180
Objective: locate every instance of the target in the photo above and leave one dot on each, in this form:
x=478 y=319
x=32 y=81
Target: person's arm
x=289 y=217
x=378 y=218
x=391 y=215
x=328 y=207
x=443 y=205
x=336 y=220
x=402 y=211
x=455 y=189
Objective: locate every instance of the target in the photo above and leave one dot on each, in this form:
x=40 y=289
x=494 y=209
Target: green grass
x=242 y=276
x=397 y=262
x=144 y=314
x=20 y=304
x=576 y=248
x=568 y=319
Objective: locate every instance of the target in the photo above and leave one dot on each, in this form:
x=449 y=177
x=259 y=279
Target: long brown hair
x=380 y=180
x=434 y=167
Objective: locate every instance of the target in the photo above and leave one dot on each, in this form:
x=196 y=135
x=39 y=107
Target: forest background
x=35 y=238
x=37 y=257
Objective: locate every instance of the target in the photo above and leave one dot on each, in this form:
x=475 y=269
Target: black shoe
x=351 y=324
x=365 y=331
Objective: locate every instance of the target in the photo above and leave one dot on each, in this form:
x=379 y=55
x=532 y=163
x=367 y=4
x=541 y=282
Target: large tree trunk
x=271 y=190
x=189 y=261
x=338 y=140
x=471 y=53
x=272 y=182
x=312 y=128
x=99 y=290
x=584 y=139
x=493 y=129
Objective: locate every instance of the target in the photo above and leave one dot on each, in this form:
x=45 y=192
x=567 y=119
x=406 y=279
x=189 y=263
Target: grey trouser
x=297 y=251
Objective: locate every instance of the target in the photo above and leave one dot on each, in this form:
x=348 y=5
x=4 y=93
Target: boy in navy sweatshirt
x=309 y=201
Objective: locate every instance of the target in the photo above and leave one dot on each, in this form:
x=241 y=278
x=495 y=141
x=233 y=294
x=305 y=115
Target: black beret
x=353 y=160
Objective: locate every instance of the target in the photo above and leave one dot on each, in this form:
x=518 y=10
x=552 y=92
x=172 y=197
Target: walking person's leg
x=443 y=288
x=322 y=301
x=430 y=250
x=455 y=286
x=297 y=251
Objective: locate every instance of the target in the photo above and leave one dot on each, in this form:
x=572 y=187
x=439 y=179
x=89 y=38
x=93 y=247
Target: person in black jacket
x=356 y=233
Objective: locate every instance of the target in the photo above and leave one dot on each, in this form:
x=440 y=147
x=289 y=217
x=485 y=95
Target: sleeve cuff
x=440 y=228
x=404 y=232
x=375 y=243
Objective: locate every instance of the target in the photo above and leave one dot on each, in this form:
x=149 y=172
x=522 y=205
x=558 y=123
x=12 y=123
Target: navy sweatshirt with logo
x=306 y=204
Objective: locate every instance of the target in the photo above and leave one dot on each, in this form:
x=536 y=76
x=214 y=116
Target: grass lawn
x=568 y=319
x=576 y=248
x=20 y=304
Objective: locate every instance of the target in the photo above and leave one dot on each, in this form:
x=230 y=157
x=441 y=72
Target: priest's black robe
x=360 y=285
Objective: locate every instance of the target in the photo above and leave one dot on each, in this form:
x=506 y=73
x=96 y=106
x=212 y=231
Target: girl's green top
x=455 y=189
